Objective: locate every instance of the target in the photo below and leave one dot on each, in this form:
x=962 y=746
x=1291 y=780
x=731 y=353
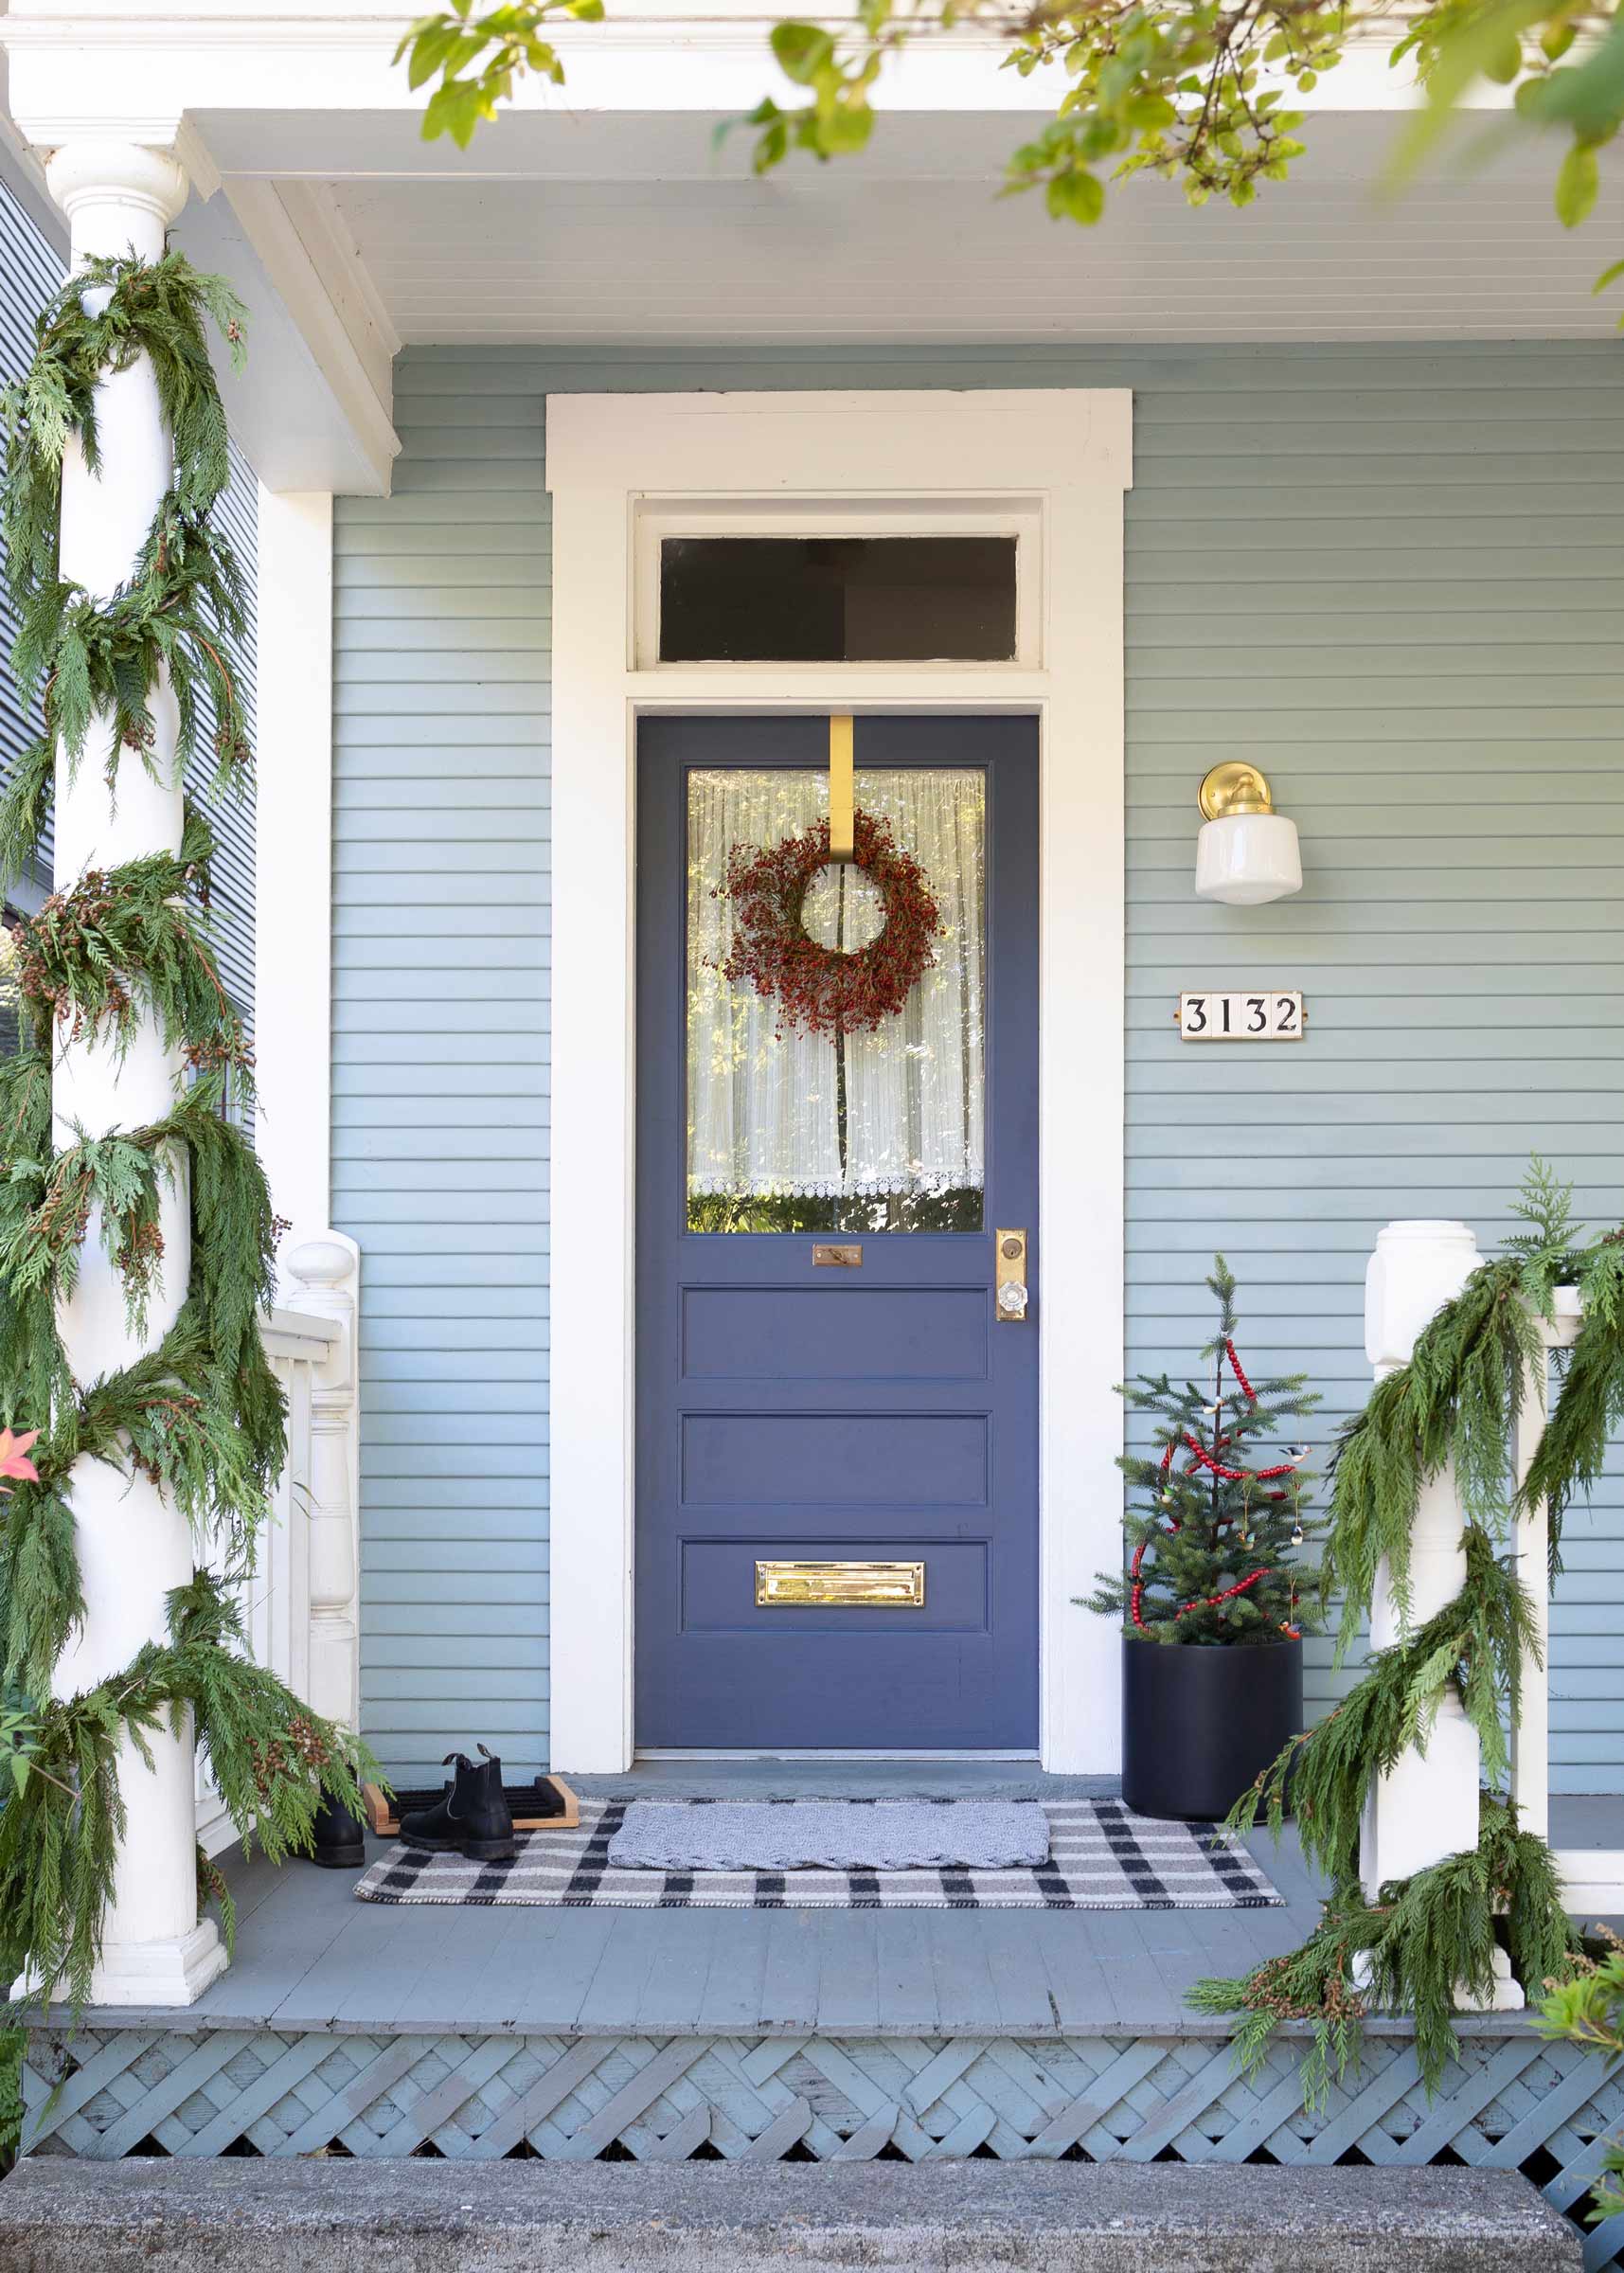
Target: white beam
x=293 y=948
x=74 y=64
x=311 y=408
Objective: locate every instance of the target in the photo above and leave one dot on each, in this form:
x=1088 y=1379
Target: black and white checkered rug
x=1100 y=1858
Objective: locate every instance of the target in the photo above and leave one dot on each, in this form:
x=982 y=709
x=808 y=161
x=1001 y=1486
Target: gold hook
x=842 y=794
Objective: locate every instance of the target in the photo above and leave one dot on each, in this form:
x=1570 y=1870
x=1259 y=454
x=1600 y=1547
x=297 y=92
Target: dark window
x=837 y=599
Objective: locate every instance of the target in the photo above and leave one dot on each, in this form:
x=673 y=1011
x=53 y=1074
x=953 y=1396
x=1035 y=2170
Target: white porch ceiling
x=607 y=230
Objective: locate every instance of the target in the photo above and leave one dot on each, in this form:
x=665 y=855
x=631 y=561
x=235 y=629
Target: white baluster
x=328 y=1272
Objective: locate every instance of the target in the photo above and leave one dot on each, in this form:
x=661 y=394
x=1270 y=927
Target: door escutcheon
x=1011 y=1252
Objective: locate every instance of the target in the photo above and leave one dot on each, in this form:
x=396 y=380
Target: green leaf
x=1073 y=195
x=1589 y=97
x=1578 y=185
x=846 y=129
x=802 y=51
x=429 y=52
x=1506 y=63
x=772 y=146
x=1608 y=275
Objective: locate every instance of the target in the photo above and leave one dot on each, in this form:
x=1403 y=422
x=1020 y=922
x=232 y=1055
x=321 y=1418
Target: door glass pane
x=837 y=599
x=875 y=1129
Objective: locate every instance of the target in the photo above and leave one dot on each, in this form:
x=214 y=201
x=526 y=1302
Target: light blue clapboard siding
x=1395 y=574
x=30 y=271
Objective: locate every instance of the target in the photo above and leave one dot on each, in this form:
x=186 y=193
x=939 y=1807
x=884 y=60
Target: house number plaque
x=1264 y=1014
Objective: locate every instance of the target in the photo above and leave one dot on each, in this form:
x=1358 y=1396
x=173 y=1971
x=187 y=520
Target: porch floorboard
x=310 y=1957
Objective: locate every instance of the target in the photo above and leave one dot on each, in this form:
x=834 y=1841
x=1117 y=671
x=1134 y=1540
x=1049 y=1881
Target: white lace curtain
x=764 y=1108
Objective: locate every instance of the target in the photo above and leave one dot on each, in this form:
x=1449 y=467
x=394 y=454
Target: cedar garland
x=1458 y=1399
x=201 y=1414
x=182 y=605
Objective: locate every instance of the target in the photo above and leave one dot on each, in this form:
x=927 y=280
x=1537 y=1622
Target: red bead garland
x=1228 y=1595
x=1246 y=1390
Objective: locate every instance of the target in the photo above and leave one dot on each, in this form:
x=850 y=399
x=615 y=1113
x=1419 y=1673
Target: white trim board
x=293 y=948
x=1066 y=454
x=1592 y=1881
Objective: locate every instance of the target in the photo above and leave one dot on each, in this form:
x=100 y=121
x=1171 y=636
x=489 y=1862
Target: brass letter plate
x=837 y=1259
x=849 y=1585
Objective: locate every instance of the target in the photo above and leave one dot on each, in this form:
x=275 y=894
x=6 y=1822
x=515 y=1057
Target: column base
x=1505 y=1996
x=166 y=1974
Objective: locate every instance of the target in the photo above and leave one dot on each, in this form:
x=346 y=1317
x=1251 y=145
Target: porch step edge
x=336 y=2216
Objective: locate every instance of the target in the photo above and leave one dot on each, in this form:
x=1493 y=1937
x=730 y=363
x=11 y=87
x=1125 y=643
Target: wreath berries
x=823 y=990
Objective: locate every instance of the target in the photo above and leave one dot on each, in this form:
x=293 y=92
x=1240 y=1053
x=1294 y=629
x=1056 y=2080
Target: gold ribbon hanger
x=842 y=791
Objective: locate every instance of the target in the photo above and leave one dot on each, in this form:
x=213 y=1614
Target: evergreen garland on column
x=1417 y=1941
x=201 y=1415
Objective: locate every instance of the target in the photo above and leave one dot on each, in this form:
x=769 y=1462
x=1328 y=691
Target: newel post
x=328 y=1273
x=1426 y=1806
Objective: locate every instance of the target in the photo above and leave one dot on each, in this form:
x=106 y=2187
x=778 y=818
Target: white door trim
x=1067 y=453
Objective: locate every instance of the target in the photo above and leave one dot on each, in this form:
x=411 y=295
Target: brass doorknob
x=1010 y=1303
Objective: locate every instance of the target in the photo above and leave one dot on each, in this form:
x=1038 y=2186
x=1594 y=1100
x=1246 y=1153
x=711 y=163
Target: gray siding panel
x=440 y=959
x=29 y=272
x=1392 y=574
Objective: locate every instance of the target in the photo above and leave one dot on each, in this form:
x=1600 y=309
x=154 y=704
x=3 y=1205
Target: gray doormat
x=1100 y=1858
x=832 y=1834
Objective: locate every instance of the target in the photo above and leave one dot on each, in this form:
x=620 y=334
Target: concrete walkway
x=337 y=2217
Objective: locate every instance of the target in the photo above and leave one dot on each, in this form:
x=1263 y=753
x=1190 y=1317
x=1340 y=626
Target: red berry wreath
x=823 y=990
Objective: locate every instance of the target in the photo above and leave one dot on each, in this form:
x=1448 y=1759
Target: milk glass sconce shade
x=1246 y=853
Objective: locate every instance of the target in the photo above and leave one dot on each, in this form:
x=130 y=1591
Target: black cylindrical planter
x=339 y=1841
x=1199 y=1724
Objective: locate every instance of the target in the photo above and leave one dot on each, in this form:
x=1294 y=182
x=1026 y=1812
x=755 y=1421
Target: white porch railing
x=301 y=1608
x=1594 y=1876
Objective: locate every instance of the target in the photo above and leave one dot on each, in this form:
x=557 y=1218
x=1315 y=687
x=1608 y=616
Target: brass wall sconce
x=1247 y=854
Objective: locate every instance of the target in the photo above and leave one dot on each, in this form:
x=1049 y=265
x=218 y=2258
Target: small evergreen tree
x=1211 y=1553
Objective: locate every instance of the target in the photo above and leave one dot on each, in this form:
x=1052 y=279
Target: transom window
x=837 y=599
x=774 y=584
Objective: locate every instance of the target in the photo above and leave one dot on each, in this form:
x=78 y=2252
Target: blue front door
x=837 y=1523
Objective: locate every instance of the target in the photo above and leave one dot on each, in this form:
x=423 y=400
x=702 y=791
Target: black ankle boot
x=471 y=1815
x=337 y=1838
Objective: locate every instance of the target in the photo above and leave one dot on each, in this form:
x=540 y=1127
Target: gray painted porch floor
x=310 y=1957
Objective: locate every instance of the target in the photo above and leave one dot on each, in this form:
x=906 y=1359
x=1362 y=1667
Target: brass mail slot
x=852 y=1585
x=839 y=1259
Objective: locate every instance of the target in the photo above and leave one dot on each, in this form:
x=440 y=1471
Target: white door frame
x=1063 y=457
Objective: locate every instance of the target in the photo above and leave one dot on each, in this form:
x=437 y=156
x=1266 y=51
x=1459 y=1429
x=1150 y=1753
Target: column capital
x=96 y=182
x=1417 y=1266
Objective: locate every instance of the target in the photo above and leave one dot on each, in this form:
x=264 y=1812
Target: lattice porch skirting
x=1513 y=2103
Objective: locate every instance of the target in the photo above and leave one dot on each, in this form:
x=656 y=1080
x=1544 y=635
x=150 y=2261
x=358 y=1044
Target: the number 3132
x=1264 y=1014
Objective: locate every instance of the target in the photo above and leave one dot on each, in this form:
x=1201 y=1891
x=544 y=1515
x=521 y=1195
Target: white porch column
x=1427 y=1806
x=133 y=1546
